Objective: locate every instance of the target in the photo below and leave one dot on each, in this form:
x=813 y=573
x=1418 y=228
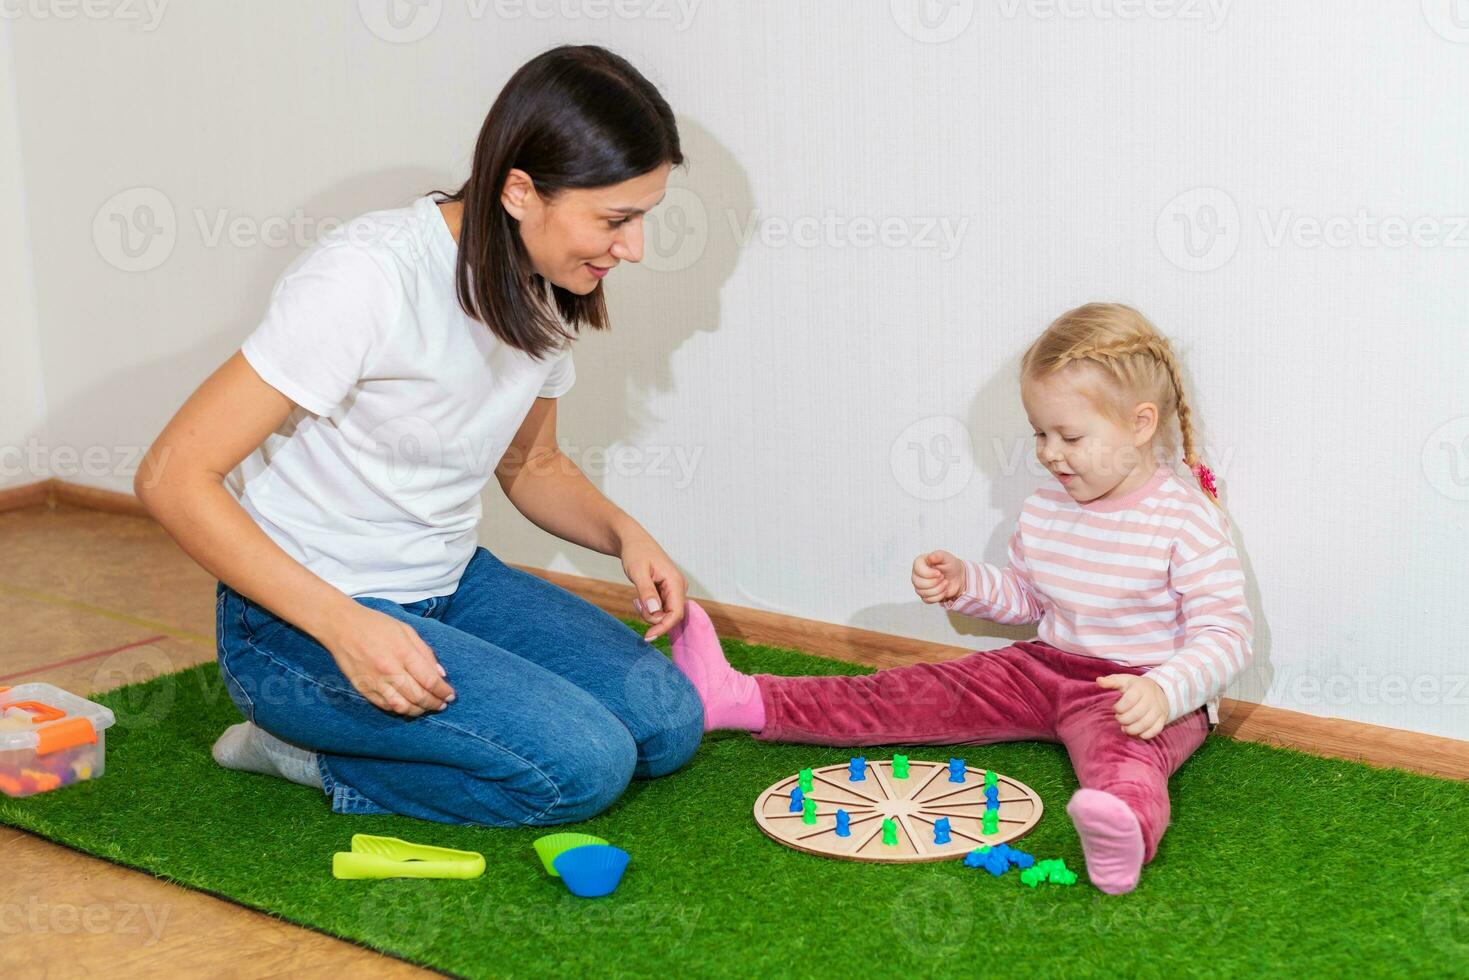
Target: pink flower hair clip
x=1206 y=478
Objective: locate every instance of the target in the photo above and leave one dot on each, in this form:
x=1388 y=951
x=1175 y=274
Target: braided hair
x=1132 y=356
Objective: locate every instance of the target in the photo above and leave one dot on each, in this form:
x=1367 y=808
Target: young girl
x=1129 y=571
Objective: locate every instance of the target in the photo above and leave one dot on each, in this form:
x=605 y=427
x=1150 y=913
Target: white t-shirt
x=405 y=406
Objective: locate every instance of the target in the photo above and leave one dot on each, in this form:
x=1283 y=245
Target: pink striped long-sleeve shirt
x=1150 y=579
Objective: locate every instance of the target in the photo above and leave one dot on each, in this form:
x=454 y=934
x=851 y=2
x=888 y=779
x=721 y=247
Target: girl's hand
x=937 y=576
x=1142 y=710
x=387 y=662
x=661 y=587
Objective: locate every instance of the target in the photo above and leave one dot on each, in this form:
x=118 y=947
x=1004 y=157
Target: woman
x=375 y=651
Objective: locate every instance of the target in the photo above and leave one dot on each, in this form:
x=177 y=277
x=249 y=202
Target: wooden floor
x=92 y=600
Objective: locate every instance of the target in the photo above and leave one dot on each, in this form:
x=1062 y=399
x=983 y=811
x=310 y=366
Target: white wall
x=1067 y=155
x=23 y=439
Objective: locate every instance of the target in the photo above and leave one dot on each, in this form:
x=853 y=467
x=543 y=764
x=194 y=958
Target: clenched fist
x=1142 y=709
x=937 y=576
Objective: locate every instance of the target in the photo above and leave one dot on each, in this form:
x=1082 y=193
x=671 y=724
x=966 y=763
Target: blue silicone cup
x=593 y=870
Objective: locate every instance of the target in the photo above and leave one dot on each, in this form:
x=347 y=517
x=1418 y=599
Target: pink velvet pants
x=1030 y=690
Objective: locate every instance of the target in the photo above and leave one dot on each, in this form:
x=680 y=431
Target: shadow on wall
x=656 y=306
x=995 y=415
x=1255 y=680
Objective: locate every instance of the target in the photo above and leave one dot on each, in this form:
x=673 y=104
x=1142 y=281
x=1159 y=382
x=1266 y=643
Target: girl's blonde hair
x=1134 y=362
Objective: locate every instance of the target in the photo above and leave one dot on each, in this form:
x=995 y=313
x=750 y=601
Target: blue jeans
x=558 y=705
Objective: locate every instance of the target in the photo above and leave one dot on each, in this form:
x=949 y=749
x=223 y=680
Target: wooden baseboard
x=772 y=629
x=29 y=495
x=1331 y=737
x=95 y=499
x=53 y=492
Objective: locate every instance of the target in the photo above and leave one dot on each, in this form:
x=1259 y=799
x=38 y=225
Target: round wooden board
x=914 y=803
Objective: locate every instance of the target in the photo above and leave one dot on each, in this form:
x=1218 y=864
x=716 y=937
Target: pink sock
x=731 y=699
x=1111 y=839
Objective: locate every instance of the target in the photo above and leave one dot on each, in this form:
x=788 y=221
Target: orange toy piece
x=9 y=785
x=41 y=781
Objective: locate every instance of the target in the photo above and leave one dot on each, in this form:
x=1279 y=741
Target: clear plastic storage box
x=49 y=738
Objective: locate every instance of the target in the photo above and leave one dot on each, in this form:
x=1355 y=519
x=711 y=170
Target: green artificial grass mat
x=1277 y=863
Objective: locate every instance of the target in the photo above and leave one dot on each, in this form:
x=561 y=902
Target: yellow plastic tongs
x=389 y=857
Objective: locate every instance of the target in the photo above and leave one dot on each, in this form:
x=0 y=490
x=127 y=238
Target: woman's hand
x=937 y=576
x=661 y=586
x=387 y=662
x=1142 y=710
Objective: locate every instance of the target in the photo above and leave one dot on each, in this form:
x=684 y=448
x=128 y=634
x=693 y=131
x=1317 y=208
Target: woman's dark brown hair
x=573 y=117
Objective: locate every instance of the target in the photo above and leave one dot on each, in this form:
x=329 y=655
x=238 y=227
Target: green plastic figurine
x=808 y=811
x=900 y=767
x=991 y=824
x=1053 y=870
x=890 y=832
x=990 y=778
x=804 y=778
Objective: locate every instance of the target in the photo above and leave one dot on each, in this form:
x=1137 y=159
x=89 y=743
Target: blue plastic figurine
x=797 y=798
x=941 y=830
x=998 y=859
x=956 y=770
x=844 y=824
x=996 y=863
x=992 y=797
x=858 y=767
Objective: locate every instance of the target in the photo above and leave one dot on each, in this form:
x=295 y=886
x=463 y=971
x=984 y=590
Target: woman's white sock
x=249 y=748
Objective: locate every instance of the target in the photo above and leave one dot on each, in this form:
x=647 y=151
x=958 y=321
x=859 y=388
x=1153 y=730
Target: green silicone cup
x=552 y=845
